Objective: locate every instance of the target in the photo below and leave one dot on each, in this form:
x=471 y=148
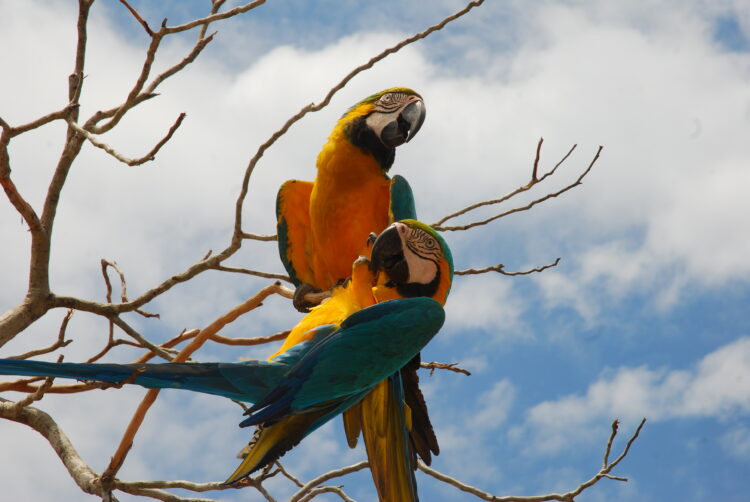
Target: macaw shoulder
x=293 y=223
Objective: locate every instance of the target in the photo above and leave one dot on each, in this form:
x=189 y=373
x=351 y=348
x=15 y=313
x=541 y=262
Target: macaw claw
x=300 y=302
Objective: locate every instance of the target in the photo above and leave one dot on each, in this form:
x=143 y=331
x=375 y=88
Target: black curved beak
x=405 y=126
x=414 y=115
x=388 y=255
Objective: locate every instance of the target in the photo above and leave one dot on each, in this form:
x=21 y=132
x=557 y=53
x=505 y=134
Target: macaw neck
x=360 y=135
x=341 y=162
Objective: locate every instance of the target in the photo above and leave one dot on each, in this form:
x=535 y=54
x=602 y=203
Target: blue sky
x=646 y=314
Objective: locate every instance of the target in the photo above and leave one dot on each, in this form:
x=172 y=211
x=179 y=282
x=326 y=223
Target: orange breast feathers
x=350 y=199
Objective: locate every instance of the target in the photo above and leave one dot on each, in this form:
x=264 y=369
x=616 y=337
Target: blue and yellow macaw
x=323 y=225
x=415 y=262
x=334 y=361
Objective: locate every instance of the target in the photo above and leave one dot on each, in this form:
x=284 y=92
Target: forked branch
x=535 y=180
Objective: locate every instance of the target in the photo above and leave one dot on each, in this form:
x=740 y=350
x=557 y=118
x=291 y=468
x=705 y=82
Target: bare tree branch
x=532 y=182
x=61 y=341
x=138 y=17
x=151 y=155
x=302 y=492
x=443 y=366
x=255 y=273
x=258 y=237
x=578 y=181
x=501 y=270
x=604 y=472
x=338 y=490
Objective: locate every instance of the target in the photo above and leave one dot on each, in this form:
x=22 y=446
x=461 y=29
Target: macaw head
x=412 y=259
x=383 y=121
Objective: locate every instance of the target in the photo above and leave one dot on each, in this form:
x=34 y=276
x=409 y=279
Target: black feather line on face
x=361 y=136
x=412 y=289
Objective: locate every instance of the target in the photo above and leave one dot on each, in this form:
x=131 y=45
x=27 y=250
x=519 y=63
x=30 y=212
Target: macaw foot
x=300 y=302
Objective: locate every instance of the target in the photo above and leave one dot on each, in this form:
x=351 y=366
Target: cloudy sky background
x=646 y=315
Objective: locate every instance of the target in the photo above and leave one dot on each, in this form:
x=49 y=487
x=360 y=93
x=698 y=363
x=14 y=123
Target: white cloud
x=718 y=387
x=737 y=441
x=487 y=303
x=495 y=405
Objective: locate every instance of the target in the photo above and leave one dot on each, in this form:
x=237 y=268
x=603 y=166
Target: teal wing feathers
x=369 y=346
x=402 y=200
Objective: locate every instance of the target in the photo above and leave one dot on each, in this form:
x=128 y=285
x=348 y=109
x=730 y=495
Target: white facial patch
x=421 y=252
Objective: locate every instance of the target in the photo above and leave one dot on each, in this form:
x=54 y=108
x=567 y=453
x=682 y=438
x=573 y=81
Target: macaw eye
x=429 y=242
x=386 y=98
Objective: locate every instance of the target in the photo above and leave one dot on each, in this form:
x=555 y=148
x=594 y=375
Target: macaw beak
x=388 y=255
x=406 y=124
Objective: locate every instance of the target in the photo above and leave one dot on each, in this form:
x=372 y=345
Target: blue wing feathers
x=369 y=346
x=246 y=381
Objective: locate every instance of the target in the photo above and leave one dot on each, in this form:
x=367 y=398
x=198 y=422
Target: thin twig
x=288 y=475
x=255 y=273
x=215 y=6
x=61 y=341
x=35 y=124
x=501 y=270
x=35 y=396
x=213 y=17
x=138 y=18
x=615 y=425
x=443 y=366
x=532 y=182
x=151 y=155
x=578 y=181
x=140 y=338
x=604 y=472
